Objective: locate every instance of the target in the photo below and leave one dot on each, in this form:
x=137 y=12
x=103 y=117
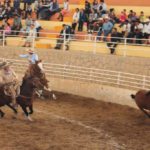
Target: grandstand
x=50 y=30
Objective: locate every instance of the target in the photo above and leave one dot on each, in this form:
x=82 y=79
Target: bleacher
x=52 y=28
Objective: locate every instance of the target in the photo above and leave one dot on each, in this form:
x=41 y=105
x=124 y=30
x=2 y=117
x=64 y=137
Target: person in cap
x=31 y=36
x=31 y=56
x=10 y=79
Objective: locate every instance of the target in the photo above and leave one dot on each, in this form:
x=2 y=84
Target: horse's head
x=39 y=66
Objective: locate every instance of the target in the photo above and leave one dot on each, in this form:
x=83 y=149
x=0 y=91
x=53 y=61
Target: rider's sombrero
x=30 y=50
x=5 y=64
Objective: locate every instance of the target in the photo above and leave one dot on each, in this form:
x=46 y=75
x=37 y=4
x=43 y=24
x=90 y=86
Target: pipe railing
x=90 y=75
x=94 y=42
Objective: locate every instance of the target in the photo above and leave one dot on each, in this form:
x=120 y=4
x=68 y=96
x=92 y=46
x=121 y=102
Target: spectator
x=130 y=15
x=8 y=13
x=37 y=26
x=102 y=8
x=28 y=11
x=115 y=38
x=2 y=12
x=106 y=28
x=95 y=5
x=87 y=8
x=122 y=17
x=7 y=29
x=64 y=11
x=142 y=17
x=97 y=26
x=134 y=17
x=27 y=2
x=126 y=28
x=16 y=24
x=112 y=15
x=31 y=36
x=28 y=23
x=64 y=34
x=53 y=8
x=138 y=36
x=92 y=19
x=146 y=29
x=76 y=17
x=82 y=19
x=16 y=4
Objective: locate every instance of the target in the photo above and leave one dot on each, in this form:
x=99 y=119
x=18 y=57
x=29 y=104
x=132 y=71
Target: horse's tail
x=132 y=96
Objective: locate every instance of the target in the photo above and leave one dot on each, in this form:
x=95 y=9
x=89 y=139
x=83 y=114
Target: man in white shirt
x=102 y=8
x=76 y=17
x=37 y=26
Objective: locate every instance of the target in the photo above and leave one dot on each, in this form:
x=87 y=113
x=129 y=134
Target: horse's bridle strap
x=24 y=96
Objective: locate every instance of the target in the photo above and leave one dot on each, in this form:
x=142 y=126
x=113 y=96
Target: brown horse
x=36 y=70
x=142 y=99
x=25 y=99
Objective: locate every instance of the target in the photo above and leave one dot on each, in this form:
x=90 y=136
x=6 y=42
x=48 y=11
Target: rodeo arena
x=74 y=75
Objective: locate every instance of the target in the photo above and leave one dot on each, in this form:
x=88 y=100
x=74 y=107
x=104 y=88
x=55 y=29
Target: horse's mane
x=35 y=71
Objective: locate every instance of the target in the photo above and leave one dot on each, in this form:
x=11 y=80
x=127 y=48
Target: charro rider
x=10 y=80
x=32 y=58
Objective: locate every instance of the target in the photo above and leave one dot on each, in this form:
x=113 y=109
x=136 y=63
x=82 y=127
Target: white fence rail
x=96 y=44
x=90 y=75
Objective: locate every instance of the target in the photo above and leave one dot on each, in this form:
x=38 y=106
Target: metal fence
x=95 y=44
x=90 y=75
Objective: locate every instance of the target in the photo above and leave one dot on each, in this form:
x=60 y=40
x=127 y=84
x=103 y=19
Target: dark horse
x=25 y=99
x=142 y=99
x=36 y=70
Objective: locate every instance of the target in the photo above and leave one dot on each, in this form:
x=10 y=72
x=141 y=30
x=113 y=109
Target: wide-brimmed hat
x=30 y=50
x=4 y=64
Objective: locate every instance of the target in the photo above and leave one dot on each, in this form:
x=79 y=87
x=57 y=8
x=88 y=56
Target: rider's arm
x=36 y=57
x=24 y=55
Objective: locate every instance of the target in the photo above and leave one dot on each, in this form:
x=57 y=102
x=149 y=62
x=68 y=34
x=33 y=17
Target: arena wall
x=96 y=91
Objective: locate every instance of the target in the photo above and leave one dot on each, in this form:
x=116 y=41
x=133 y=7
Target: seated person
x=64 y=35
x=16 y=24
x=115 y=38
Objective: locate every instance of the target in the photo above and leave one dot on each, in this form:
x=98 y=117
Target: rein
x=24 y=96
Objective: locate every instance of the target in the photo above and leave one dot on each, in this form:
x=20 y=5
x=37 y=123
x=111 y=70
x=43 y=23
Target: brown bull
x=142 y=99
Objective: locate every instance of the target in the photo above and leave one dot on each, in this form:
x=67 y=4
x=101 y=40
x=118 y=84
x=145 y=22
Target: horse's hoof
x=54 y=96
x=29 y=118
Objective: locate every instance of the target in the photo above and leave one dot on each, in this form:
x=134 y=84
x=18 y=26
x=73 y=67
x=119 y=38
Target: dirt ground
x=76 y=123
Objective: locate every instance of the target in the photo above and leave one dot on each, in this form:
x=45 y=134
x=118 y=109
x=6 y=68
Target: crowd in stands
x=94 y=16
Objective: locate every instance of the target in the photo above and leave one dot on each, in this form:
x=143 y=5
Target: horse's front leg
x=24 y=108
x=1 y=114
x=145 y=112
x=31 y=109
x=15 y=111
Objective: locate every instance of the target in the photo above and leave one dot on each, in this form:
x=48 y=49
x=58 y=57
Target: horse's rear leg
x=31 y=109
x=15 y=111
x=1 y=114
x=145 y=112
x=26 y=113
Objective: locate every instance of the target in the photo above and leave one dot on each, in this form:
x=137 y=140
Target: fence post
x=95 y=45
x=64 y=45
x=118 y=78
x=3 y=38
x=33 y=42
x=125 y=47
x=144 y=82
